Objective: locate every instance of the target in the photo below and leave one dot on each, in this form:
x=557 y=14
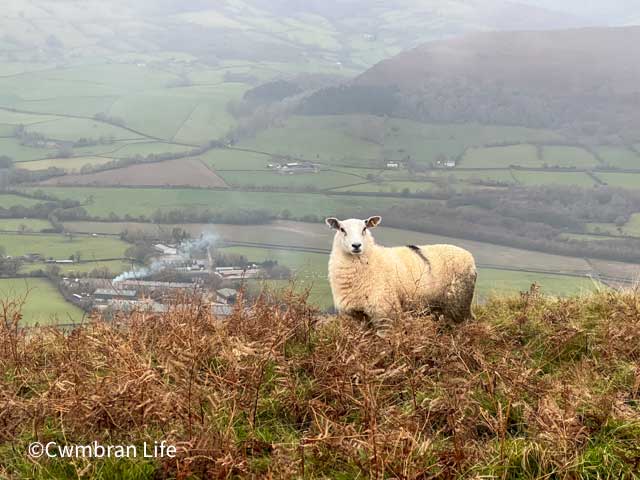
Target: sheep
x=375 y=282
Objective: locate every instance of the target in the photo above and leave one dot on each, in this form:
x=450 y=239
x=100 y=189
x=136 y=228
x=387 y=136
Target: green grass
x=619 y=157
x=323 y=139
x=554 y=178
x=503 y=282
x=8 y=201
x=386 y=187
x=31 y=224
x=632 y=227
x=70 y=165
x=227 y=159
x=59 y=247
x=75 y=128
x=209 y=120
x=147 y=148
x=114 y=266
x=568 y=156
x=320 y=181
x=501 y=157
x=21 y=153
x=136 y=202
x=44 y=304
x=622 y=180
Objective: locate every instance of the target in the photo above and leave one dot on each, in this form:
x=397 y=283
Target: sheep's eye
x=343 y=230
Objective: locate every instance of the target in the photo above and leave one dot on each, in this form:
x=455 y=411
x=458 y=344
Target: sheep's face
x=353 y=235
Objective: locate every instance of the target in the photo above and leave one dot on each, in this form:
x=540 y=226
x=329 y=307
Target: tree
x=6 y=161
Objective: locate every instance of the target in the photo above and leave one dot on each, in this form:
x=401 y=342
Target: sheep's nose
x=356 y=246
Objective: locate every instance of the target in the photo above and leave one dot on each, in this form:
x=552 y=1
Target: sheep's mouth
x=356 y=251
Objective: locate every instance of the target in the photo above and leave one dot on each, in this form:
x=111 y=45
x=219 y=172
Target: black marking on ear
x=418 y=251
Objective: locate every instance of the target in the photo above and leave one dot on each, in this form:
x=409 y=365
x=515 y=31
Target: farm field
x=501 y=157
x=101 y=202
x=26 y=224
x=619 y=157
x=69 y=165
x=271 y=178
x=388 y=187
x=59 y=247
x=632 y=227
x=114 y=266
x=623 y=180
x=184 y=172
x=554 y=178
x=235 y=160
x=563 y=156
x=8 y=201
x=21 y=153
x=43 y=303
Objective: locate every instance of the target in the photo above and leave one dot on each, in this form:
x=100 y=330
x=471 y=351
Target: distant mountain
x=352 y=33
x=586 y=81
x=601 y=12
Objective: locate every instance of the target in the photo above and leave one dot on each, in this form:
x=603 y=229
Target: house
x=165 y=249
x=450 y=164
x=221 y=309
x=227 y=295
x=394 y=165
x=106 y=294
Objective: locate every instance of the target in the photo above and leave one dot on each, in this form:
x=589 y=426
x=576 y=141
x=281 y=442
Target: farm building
x=221 y=309
x=297 y=167
x=237 y=273
x=227 y=295
x=105 y=294
x=393 y=165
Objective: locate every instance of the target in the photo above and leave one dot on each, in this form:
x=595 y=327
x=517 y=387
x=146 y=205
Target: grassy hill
x=583 y=81
x=536 y=388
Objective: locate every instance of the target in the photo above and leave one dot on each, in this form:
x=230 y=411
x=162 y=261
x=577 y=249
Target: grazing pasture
x=563 y=156
x=185 y=172
x=23 y=224
x=622 y=180
x=501 y=157
x=101 y=202
x=579 y=179
x=619 y=157
x=43 y=303
x=69 y=165
x=61 y=247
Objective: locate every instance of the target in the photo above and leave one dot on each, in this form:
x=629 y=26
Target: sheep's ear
x=372 y=222
x=332 y=222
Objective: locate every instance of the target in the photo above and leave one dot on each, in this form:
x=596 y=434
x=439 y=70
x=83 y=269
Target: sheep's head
x=353 y=234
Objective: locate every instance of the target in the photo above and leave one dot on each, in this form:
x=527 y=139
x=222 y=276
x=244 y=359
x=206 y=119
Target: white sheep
x=371 y=281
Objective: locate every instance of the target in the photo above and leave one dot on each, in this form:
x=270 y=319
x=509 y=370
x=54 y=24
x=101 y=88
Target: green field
x=60 y=247
x=622 y=180
x=501 y=157
x=554 y=178
x=69 y=165
x=8 y=201
x=115 y=267
x=227 y=159
x=43 y=303
x=312 y=181
x=632 y=227
x=20 y=153
x=136 y=202
x=24 y=224
x=366 y=140
x=619 y=157
x=562 y=156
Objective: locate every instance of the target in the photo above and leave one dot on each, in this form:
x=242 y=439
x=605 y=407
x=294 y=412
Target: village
x=175 y=273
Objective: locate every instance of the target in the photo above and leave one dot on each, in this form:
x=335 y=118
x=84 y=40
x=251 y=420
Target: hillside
x=535 y=388
x=583 y=81
x=356 y=33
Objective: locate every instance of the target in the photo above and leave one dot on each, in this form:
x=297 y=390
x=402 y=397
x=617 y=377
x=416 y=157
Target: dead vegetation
x=535 y=388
